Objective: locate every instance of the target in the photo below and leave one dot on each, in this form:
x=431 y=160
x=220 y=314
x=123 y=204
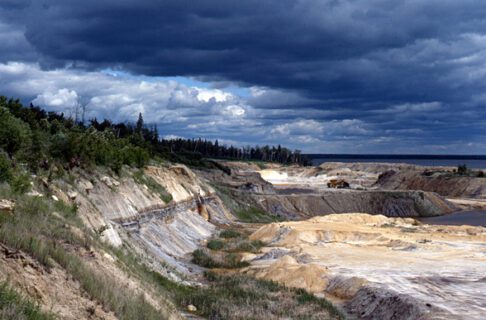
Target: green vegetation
x=253 y=214
x=241 y=297
x=253 y=246
x=14 y=306
x=52 y=142
x=463 y=170
x=215 y=244
x=243 y=211
x=140 y=177
x=50 y=240
x=229 y=234
x=226 y=261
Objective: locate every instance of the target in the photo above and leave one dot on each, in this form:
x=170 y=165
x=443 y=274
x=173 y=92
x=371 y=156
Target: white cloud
x=60 y=100
x=234 y=111
x=207 y=95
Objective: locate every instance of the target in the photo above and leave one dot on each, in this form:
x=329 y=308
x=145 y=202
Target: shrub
x=250 y=246
x=229 y=234
x=200 y=257
x=462 y=169
x=5 y=168
x=15 y=134
x=20 y=183
x=215 y=244
x=481 y=174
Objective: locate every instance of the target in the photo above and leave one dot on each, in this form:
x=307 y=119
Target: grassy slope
x=47 y=238
x=13 y=306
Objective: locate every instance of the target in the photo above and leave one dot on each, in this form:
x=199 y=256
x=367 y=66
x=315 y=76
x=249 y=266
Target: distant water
x=474 y=162
x=472 y=218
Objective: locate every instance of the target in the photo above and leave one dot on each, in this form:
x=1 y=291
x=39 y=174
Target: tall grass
x=14 y=306
x=49 y=239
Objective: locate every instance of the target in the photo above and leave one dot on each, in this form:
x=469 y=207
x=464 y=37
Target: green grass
x=236 y=297
x=229 y=234
x=49 y=239
x=226 y=261
x=215 y=244
x=239 y=297
x=141 y=178
x=14 y=306
x=253 y=246
x=253 y=214
x=243 y=211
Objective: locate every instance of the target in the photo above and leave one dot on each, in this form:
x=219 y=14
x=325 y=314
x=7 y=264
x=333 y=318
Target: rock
x=34 y=193
x=85 y=185
x=7 y=206
x=191 y=308
x=72 y=195
x=55 y=198
x=106 y=180
x=110 y=182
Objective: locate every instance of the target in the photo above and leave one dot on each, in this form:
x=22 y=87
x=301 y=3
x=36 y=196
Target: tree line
x=43 y=139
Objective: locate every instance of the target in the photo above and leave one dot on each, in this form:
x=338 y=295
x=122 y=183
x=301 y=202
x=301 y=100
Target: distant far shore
x=471 y=161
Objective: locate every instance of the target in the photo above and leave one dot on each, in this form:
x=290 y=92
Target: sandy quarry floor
x=441 y=267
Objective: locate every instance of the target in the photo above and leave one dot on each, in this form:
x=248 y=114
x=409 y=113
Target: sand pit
x=395 y=264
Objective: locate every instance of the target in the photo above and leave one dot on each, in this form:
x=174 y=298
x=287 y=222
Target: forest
x=46 y=140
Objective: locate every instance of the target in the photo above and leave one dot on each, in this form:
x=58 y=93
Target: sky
x=322 y=76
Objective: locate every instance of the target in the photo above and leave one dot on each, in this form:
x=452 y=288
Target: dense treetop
x=46 y=140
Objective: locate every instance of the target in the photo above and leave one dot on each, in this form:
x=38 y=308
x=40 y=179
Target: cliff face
x=388 y=203
x=296 y=192
x=129 y=209
x=379 y=267
x=445 y=184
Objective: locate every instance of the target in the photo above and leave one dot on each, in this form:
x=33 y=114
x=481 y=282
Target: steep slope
x=124 y=210
x=443 y=183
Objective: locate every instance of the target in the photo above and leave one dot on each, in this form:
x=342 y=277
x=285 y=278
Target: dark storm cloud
x=401 y=68
x=331 y=49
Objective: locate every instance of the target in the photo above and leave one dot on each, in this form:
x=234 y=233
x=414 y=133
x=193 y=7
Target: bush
x=200 y=257
x=15 y=134
x=20 y=183
x=251 y=246
x=462 y=169
x=215 y=244
x=229 y=234
x=5 y=168
x=481 y=174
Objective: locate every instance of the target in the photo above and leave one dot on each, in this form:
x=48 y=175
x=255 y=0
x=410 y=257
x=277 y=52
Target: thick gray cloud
x=370 y=75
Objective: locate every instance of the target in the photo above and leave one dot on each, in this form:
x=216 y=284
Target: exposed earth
x=359 y=245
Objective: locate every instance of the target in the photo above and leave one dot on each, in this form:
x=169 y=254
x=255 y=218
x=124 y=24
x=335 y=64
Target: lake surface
x=475 y=162
x=472 y=218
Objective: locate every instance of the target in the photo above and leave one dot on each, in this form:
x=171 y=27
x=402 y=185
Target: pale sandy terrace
x=437 y=265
